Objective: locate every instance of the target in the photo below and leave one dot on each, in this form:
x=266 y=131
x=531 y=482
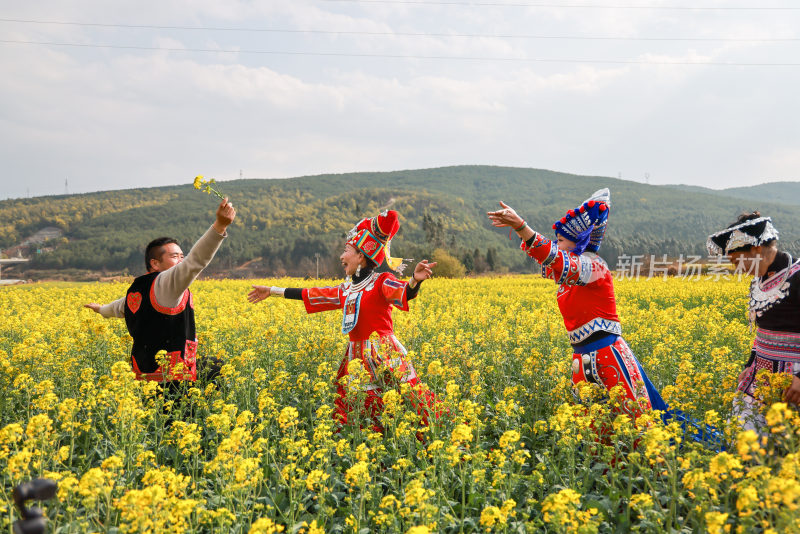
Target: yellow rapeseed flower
x=357 y=476
x=716 y=522
x=461 y=434
x=265 y=525
x=288 y=417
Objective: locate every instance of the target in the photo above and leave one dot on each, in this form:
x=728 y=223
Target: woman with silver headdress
x=586 y=300
x=774 y=307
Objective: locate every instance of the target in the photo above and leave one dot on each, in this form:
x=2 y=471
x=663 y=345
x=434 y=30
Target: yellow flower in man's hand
x=205 y=185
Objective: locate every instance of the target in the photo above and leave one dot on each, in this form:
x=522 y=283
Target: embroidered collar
x=767 y=292
x=362 y=282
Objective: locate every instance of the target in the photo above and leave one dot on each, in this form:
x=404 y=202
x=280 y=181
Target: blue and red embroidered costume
x=588 y=305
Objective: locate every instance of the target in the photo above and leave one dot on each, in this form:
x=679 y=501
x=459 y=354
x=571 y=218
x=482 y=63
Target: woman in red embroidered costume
x=586 y=301
x=366 y=299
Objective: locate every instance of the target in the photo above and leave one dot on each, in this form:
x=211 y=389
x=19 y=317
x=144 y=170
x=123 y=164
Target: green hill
x=773 y=192
x=779 y=192
x=282 y=223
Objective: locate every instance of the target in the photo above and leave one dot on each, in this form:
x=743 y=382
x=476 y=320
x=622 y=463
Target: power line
x=567 y=6
x=400 y=34
x=404 y=56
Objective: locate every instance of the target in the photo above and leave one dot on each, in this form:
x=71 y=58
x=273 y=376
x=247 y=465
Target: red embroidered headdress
x=373 y=237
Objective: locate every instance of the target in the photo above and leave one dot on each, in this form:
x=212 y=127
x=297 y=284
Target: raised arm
x=561 y=266
x=171 y=284
x=506 y=216
x=399 y=292
x=422 y=271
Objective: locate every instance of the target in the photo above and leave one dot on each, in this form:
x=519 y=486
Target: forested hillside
x=282 y=224
x=779 y=192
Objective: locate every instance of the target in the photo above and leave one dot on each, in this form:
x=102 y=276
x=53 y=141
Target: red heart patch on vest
x=134 y=301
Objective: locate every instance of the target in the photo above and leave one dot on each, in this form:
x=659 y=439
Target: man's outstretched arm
x=112 y=309
x=170 y=284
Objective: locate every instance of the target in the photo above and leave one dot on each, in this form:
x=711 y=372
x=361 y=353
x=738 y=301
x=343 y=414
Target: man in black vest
x=159 y=309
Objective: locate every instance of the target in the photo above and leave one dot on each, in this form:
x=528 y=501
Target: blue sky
x=643 y=89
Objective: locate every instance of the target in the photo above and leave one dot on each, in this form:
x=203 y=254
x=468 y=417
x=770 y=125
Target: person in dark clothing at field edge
x=774 y=309
x=159 y=309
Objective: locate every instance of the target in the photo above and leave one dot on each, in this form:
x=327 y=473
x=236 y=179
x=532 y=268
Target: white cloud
x=111 y=118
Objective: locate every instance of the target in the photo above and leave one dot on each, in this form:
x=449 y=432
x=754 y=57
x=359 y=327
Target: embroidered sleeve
x=395 y=292
x=318 y=299
x=561 y=266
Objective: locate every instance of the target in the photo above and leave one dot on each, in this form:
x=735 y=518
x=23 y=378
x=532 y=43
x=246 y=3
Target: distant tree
x=491 y=258
x=448 y=265
x=479 y=262
x=434 y=230
x=468 y=260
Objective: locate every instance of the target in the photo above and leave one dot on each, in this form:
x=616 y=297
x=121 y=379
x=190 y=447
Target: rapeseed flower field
x=510 y=451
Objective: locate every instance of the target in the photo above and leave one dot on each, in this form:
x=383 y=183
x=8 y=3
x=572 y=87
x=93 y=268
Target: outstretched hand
x=93 y=306
x=423 y=270
x=258 y=294
x=505 y=217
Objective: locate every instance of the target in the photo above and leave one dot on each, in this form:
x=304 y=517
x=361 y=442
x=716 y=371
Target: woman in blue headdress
x=601 y=356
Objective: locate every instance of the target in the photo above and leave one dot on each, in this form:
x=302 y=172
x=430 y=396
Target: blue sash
x=693 y=429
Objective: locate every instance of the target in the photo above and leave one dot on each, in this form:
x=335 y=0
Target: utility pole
x=66 y=186
x=316 y=256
